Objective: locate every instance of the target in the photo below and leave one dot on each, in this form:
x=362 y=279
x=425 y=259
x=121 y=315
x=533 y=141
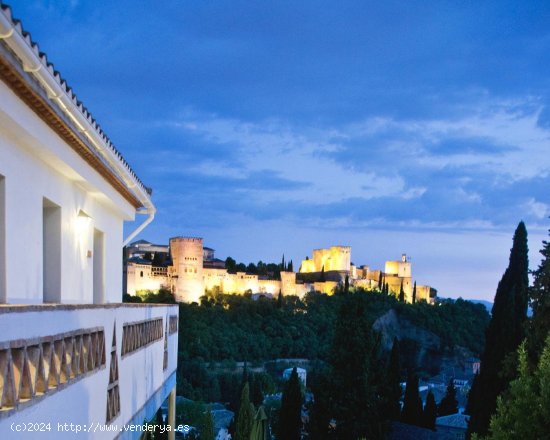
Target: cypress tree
x=392 y=390
x=245 y=416
x=280 y=300
x=412 y=404
x=283 y=267
x=323 y=274
x=503 y=336
x=355 y=388
x=430 y=411
x=449 y=404
x=401 y=293
x=290 y=416
x=320 y=414
x=290 y=266
x=414 y=293
x=539 y=295
x=346 y=284
x=207 y=431
x=380 y=282
x=386 y=289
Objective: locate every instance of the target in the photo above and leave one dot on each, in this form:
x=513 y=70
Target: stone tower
x=187 y=263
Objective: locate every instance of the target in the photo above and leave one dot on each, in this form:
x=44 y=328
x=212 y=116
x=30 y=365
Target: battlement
x=186 y=239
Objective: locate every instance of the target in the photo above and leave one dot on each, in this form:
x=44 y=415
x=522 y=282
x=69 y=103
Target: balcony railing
x=84 y=364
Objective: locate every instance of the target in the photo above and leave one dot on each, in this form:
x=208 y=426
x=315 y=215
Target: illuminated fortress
x=189 y=270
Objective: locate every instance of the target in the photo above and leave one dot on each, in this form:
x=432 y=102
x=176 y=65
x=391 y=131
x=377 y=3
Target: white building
x=70 y=352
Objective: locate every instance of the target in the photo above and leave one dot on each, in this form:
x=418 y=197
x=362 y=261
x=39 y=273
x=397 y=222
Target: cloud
x=482 y=169
x=304 y=156
x=538 y=209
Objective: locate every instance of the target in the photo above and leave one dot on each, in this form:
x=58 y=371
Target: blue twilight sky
x=278 y=127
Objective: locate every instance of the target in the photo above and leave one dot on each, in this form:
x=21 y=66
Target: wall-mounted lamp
x=82 y=224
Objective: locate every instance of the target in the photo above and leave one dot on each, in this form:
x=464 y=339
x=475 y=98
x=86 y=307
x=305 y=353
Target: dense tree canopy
x=523 y=411
x=235 y=327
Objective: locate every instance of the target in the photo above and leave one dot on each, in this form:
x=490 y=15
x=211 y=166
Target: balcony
x=101 y=365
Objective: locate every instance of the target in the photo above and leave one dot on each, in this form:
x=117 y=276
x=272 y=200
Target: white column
x=172 y=414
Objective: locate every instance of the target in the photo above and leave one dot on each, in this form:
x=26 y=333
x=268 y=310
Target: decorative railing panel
x=30 y=369
x=137 y=335
x=173 y=324
x=113 y=394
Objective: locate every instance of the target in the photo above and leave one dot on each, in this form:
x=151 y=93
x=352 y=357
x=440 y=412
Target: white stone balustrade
x=52 y=356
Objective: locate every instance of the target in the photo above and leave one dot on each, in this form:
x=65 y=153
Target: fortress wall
x=325 y=287
x=270 y=286
x=423 y=293
x=307 y=266
x=399 y=268
x=288 y=283
x=340 y=258
x=187 y=259
x=214 y=277
x=320 y=257
x=245 y=282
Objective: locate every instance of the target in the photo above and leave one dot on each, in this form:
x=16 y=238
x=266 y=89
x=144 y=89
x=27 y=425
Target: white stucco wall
x=84 y=402
x=37 y=164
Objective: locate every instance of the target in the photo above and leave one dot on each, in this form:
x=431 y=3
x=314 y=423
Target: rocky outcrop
x=391 y=326
x=419 y=348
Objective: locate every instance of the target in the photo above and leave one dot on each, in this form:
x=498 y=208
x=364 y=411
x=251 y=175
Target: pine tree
x=522 y=412
x=539 y=295
x=245 y=415
x=414 y=293
x=412 y=404
x=290 y=416
x=207 y=431
x=504 y=334
x=401 y=293
x=449 y=404
x=392 y=390
x=430 y=411
x=354 y=357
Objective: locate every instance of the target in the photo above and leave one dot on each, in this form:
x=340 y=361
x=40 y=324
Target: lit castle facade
x=189 y=270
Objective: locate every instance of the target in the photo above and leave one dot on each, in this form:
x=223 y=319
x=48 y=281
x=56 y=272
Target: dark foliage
x=449 y=404
x=412 y=404
x=504 y=334
x=290 y=417
x=354 y=359
x=234 y=327
x=539 y=295
x=391 y=391
x=430 y=412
